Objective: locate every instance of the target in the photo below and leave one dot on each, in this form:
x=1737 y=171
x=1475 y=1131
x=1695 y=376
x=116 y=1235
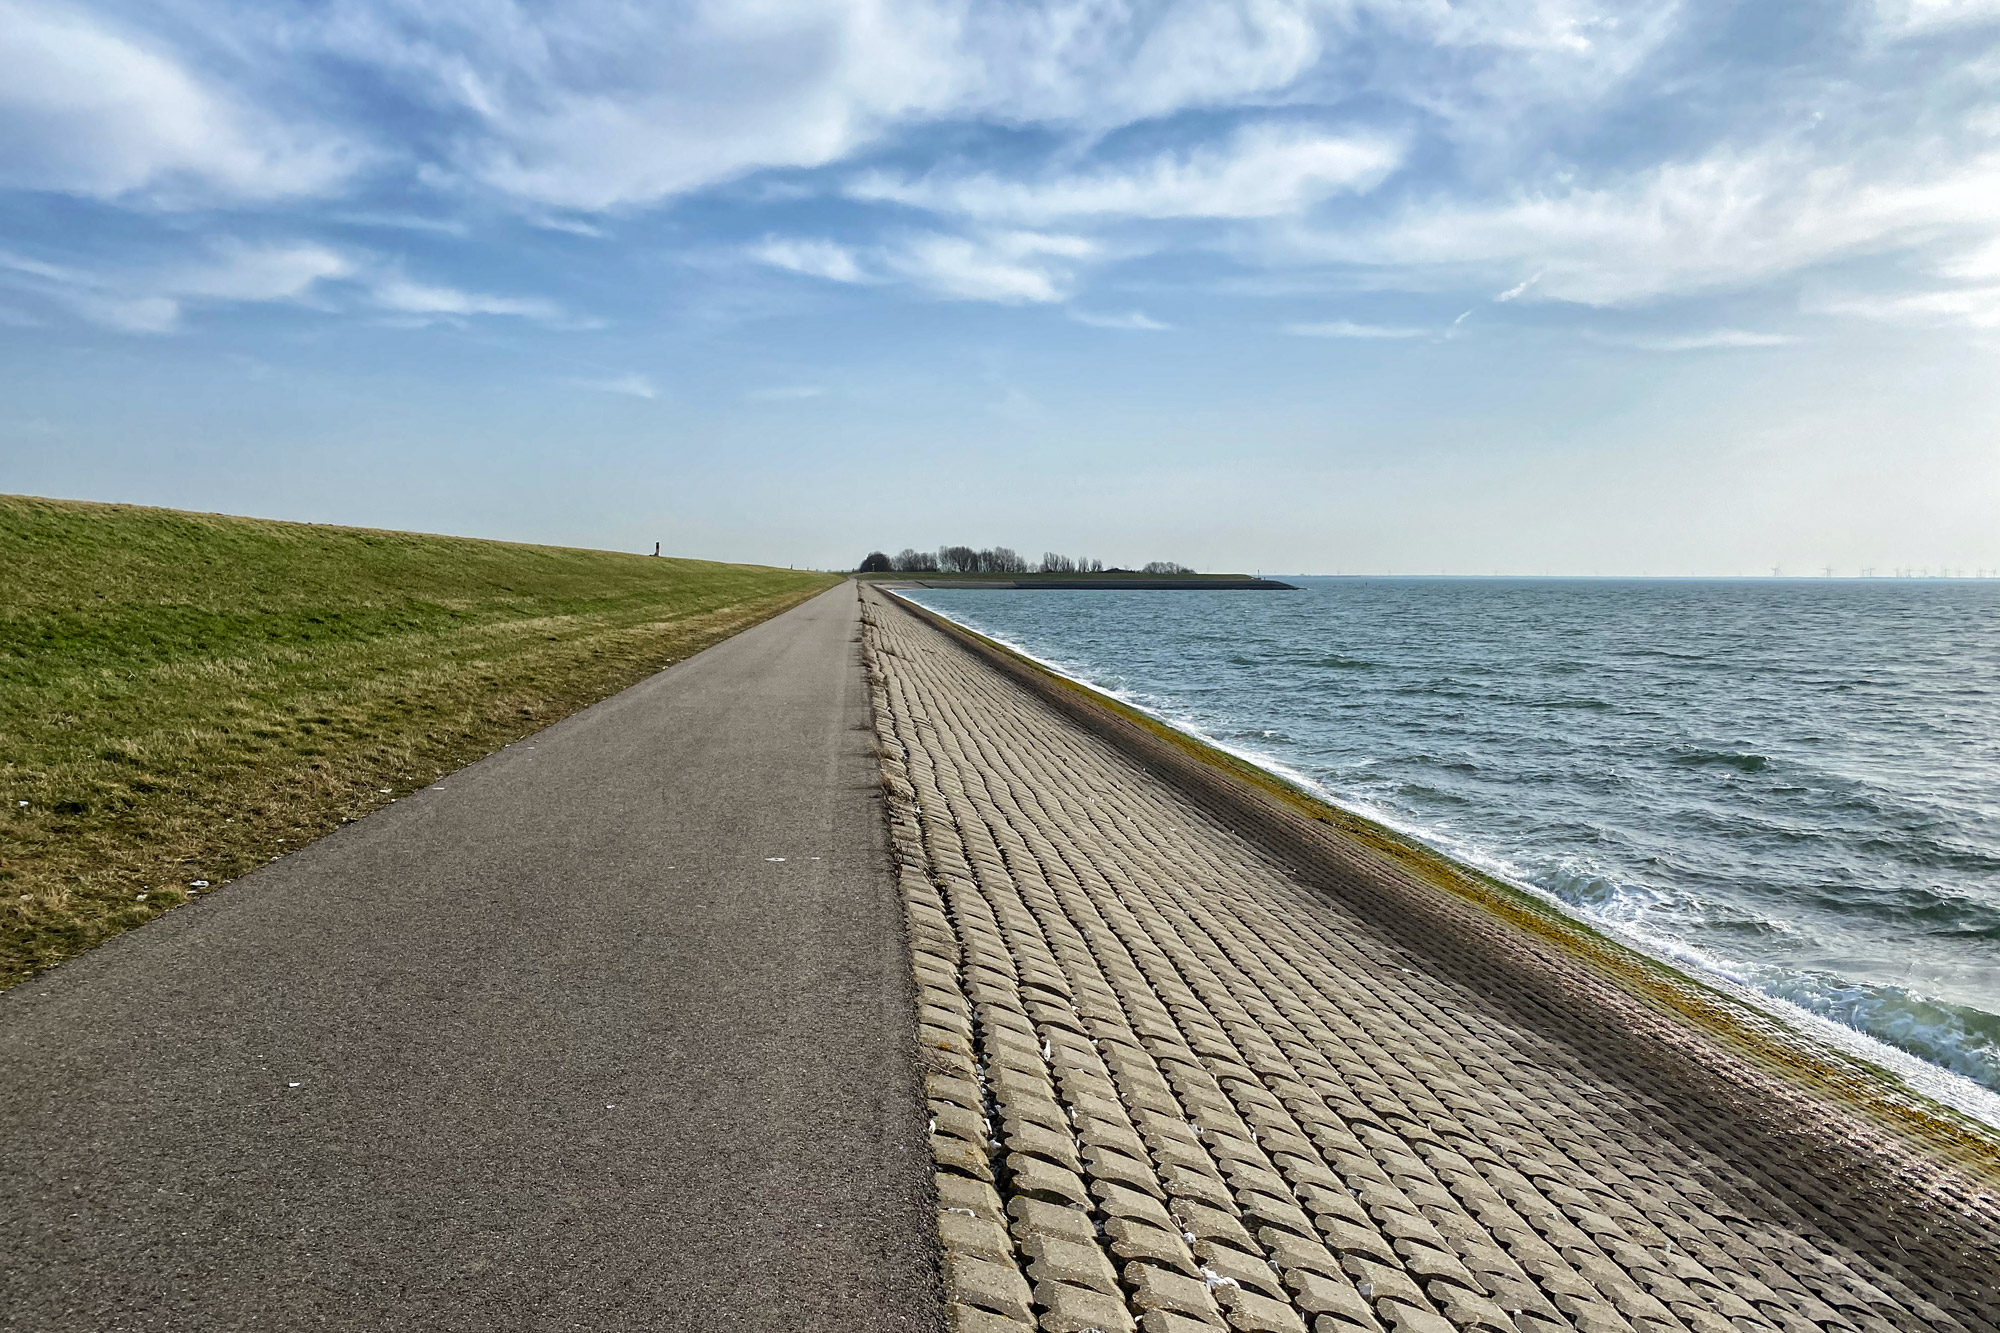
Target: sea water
x=1792 y=783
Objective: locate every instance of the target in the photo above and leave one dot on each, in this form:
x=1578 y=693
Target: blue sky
x=1394 y=285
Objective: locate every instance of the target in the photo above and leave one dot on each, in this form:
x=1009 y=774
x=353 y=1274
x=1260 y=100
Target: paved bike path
x=610 y=1030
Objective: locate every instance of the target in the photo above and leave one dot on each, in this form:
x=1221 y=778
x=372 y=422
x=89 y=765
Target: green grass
x=186 y=696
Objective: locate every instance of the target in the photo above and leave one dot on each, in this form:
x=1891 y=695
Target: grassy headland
x=186 y=696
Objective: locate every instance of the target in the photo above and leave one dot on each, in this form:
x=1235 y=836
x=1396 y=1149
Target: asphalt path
x=610 y=1030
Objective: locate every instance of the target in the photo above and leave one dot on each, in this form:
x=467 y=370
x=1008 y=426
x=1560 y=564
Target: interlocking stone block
x=1068 y=1309
x=1134 y=1172
x=1188 y=1182
x=975 y=1198
x=1057 y=1259
x=1032 y=1175
x=1158 y=1289
x=1101 y=1131
x=1167 y=1321
x=1289 y=1251
x=1026 y=1136
x=989 y=1286
x=1033 y=1217
x=1117 y=1201
x=1131 y=1239
x=1318 y=1294
x=960 y=1156
x=1208 y=1223
x=960 y=1318
x=959 y=1123
x=1268 y=1210
x=1344 y=1237
x=1404 y=1318
x=974 y=1236
x=1251 y=1312
x=1379 y=1282
x=1241 y=1267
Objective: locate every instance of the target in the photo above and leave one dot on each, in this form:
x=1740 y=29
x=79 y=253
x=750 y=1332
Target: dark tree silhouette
x=875 y=563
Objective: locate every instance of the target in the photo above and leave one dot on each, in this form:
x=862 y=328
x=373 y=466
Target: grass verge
x=184 y=696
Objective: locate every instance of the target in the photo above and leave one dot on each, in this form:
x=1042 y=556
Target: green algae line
x=186 y=696
x=1683 y=1000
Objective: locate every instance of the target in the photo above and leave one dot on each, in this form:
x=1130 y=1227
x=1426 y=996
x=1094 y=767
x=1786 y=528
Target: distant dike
x=1227 y=582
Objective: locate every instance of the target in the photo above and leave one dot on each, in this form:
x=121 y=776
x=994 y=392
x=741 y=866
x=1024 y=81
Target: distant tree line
x=998 y=560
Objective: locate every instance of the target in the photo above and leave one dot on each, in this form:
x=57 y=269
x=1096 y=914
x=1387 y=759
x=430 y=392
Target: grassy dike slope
x=186 y=696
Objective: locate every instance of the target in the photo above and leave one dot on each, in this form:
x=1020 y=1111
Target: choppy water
x=1793 y=783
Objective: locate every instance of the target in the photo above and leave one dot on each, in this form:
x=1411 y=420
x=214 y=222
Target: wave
x=1744 y=761
x=1955 y=1037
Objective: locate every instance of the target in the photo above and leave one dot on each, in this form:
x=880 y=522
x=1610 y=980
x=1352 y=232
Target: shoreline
x=1957 y=1095
x=1801 y=1129
x=1126 y=583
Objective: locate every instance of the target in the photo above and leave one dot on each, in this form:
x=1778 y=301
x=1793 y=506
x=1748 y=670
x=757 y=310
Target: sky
x=1521 y=286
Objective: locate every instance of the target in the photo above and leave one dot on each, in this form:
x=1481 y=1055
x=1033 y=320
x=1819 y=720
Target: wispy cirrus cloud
x=1007 y=267
x=155 y=300
x=1135 y=321
x=425 y=299
x=1705 y=341
x=1264 y=170
x=1340 y=328
x=628 y=386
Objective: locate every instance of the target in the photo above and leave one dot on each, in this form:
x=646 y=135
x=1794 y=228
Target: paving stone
x=1032 y=1175
x=1404 y=1318
x=1252 y=1312
x=1210 y=1223
x=974 y=1236
x=999 y=1288
x=1158 y=1289
x=1131 y=1239
x=1036 y=1217
x=1057 y=1259
x=960 y=1156
x=1379 y=1282
x=974 y=1198
x=1167 y=1321
x=1067 y=1309
x=960 y=1318
x=1117 y=1201
x=1241 y=1267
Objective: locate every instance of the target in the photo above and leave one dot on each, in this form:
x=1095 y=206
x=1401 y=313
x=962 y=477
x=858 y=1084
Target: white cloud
x=427 y=299
x=1728 y=219
x=260 y=273
x=1902 y=17
x=815 y=259
x=1975 y=307
x=1711 y=340
x=1134 y=320
x=1010 y=267
x=1340 y=328
x=1007 y=267
x=154 y=301
x=90 y=111
x=631 y=386
x=1262 y=171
